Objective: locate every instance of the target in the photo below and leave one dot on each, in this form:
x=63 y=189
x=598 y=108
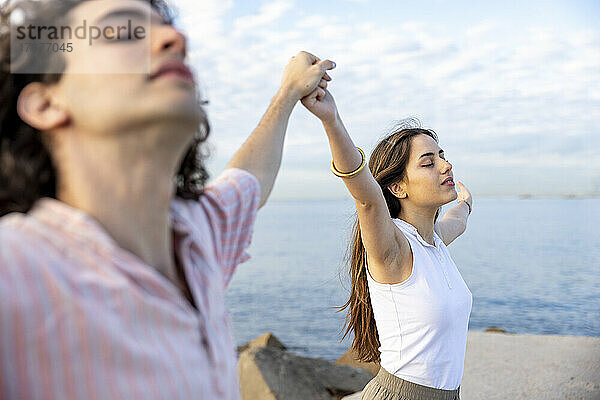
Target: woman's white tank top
x=423 y=321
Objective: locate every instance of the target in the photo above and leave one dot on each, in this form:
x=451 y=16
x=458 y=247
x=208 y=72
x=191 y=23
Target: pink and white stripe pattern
x=81 y=318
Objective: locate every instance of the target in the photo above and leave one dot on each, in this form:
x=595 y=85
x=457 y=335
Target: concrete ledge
x=502 y=366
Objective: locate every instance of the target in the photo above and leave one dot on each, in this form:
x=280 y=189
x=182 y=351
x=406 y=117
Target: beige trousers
x=386 y=386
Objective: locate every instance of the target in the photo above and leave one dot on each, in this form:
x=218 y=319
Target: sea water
x=533 y=266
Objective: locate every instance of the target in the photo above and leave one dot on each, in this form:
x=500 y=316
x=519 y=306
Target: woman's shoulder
x=398 y=266
x=408 y=231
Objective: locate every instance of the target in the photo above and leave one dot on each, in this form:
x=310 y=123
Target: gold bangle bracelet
x=352 y=173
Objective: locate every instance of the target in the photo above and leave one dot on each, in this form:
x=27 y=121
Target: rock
x=265 y=340
x=269 y=373
x=349 y=358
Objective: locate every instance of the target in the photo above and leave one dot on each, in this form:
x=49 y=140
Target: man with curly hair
x=114 y=254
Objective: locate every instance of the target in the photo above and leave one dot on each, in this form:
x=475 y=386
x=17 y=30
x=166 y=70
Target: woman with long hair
x=409 y=306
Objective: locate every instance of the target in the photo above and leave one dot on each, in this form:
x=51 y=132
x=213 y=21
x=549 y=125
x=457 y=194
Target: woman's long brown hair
x=388 y=165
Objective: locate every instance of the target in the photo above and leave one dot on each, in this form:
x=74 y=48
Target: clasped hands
x=305 y=78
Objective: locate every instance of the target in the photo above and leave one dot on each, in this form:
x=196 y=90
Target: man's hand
x=261 y=153
x=303 y=74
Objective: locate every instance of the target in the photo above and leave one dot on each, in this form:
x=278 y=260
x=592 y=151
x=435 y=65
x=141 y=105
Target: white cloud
x=477 y=85
x=268 y=14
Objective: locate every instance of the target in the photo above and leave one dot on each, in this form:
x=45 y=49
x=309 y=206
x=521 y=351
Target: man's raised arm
x=261 y=152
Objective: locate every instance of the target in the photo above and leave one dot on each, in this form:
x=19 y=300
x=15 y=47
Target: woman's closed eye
x=431 y=165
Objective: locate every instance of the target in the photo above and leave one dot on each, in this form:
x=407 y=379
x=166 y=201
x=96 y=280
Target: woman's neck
x=422 y=219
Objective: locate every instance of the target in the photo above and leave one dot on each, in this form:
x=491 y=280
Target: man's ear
x=36 y=108
x=397 y=189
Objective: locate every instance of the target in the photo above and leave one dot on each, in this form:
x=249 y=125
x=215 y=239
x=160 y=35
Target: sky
x=512 y=88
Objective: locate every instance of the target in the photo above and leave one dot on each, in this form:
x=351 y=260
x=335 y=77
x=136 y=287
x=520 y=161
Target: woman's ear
x=397 y=189
x=36 y=108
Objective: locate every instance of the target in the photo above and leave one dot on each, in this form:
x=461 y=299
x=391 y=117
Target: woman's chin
x=452 y=196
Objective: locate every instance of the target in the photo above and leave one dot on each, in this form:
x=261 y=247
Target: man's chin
x=182 y=113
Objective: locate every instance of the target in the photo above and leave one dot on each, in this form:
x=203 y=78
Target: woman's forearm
x=459 y=212
x=347 y=158
x=453 y=223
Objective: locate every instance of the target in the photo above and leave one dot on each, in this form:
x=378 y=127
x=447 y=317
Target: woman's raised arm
x=454 y=222
x=386 y=246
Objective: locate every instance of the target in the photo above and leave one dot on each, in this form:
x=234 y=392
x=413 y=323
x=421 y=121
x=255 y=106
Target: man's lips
x=448 y=181
x=174 y=68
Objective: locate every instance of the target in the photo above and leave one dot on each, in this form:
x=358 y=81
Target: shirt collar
x=71 y=221
x=81 y=226
x=415 y=232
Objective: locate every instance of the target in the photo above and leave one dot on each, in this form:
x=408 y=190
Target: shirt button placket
x=438 y=254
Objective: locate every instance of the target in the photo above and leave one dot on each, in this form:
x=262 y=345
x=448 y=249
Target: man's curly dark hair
x=27 y=172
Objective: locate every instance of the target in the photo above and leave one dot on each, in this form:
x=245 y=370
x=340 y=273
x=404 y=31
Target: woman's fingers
x=462 y=187
x=323 y=83
x=464 y=193
x=311 y=98
x=320 y=94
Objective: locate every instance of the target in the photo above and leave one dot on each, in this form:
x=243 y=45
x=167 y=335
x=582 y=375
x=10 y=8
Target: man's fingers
x=326 y=65
x=310 y=58
x=306 y=72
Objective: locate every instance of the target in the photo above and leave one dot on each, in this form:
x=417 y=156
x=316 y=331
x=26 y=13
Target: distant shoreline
x=490 y=197
x=565 y=196
x=494 y=329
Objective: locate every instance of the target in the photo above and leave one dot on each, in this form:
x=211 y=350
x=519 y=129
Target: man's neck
x=128 y=189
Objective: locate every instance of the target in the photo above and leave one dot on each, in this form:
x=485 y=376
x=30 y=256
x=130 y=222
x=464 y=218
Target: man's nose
x=166 y=38
x=447 y=166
